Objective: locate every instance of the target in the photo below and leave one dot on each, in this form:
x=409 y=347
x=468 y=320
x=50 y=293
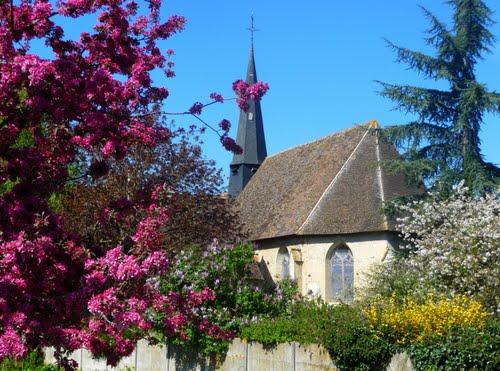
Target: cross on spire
x=252 y=29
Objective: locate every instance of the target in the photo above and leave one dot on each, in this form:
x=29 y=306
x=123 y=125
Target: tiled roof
x=330 y=186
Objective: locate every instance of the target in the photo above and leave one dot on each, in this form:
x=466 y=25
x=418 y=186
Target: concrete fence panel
x=280 y=357
x=241 y=356
x=92 y=364
x=151 y=358
x=236 y=357
x=312 y=358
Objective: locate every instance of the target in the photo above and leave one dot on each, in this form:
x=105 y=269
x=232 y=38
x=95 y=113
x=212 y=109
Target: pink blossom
x=96 y=325
x=217 y=97
x=93 y=96
x=231 y=145
x=156 y=262
x=149 y=233
x=108 y=148
x=196 y=108
x=173 y=25
x=11 y=345
x=104 y=303
x=138 y=304
x=225 y=125
x=178 y=321
x=198 y=297
x=128 y=269
x=249 y=92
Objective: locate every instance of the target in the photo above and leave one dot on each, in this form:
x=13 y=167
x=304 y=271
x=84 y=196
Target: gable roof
x=330 y=186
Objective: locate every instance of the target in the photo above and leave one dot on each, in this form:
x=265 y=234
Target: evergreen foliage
x=442 y=146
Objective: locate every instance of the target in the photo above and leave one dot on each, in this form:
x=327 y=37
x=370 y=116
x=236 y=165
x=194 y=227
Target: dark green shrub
x=33 y=362
x=394 y=279
x=303 y=323
x=352 y=344
x=270 y=332
x=342 y=330
x=460 y=349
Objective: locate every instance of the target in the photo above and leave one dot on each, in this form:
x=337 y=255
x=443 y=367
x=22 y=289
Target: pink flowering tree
x=92 y=100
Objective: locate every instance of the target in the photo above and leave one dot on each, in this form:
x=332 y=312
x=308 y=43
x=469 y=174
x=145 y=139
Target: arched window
x=340 y=274
x=283 y=264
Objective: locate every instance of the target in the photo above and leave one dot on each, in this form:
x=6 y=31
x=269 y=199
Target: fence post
x=168 y=357
x=293 y=356
x=246 y=355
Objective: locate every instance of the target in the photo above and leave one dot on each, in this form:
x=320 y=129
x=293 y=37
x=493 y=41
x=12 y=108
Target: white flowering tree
x=454 y=244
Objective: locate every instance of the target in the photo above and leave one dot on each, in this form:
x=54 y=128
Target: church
x=314 y=212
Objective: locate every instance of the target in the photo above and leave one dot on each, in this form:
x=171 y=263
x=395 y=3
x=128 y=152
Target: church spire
x=250 y=136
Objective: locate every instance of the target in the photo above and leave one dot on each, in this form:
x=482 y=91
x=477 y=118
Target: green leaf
x=7 y=186
x=22 y=94
x=55 y=201
x=24 y=140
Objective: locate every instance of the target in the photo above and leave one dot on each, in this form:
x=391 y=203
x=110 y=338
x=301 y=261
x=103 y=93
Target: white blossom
x=455 y=243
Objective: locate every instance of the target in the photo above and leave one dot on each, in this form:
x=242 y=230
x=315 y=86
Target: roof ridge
x=332 y=183
x=379 y=178
x=370 y=125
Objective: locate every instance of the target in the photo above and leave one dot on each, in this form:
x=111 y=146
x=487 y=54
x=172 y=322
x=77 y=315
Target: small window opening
x=283 y=264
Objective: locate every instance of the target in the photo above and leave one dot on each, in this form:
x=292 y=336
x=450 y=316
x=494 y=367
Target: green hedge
x=460 y=349
x=342 y=330
x=33 y=362
x=353 y=345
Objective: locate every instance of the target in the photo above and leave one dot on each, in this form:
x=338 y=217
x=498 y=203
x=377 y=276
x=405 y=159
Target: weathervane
x=252 y=29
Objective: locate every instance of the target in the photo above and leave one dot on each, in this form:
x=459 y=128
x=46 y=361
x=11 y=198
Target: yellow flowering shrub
x=415 y=322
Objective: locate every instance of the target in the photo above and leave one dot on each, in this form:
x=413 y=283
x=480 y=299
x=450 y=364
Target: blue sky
x=320 y=57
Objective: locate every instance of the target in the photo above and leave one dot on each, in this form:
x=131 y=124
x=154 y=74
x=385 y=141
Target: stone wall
x=308 y=257
x=241 y=356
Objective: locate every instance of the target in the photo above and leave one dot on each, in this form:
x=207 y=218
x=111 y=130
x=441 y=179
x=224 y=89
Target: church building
x=314 y=211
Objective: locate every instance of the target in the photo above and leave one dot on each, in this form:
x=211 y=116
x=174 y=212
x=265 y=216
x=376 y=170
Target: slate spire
x=250 y=138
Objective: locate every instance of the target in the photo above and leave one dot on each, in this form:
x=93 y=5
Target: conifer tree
x=442 y=146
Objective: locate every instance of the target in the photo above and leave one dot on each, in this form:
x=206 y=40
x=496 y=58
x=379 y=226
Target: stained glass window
x=341 y=274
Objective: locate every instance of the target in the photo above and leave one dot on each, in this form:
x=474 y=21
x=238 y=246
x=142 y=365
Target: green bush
x=394 y=279
x=33 y=362
x=342 y=330
x=353 y=345
x=303 y=323
x=351 y=342
x=460 y=349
